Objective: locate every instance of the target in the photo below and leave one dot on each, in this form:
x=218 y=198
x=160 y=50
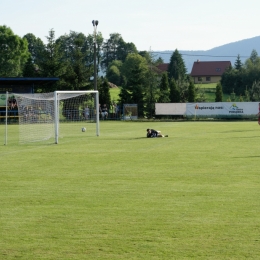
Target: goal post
x=48 y=116
x=65 y=95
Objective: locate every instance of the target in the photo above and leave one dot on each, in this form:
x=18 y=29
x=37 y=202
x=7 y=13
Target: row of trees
x=70 y=58
x=145 y=85
x=243 y=79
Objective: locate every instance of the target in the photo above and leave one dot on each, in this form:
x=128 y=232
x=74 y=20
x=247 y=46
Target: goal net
x=55 y=115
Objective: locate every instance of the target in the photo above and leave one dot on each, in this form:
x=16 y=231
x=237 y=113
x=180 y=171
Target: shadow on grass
x=237 y=131
x=145 y=138
x=235 y=137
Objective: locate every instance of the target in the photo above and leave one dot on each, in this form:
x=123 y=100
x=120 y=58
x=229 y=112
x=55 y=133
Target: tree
x=78 y=52
x=252 y=65
x=134 y=61
x=77 y=76
x=29 y=68
x=176 y=68
x=147 y=55
x=233 y=96
x=238 y=63
x=255 y=91
x=124 y=95
x=104 y=94
x=115 y=48
x=52 y=63
x=114 y=72
x=137 y=88
x=135 y=73
x=164 y=89
x=191 y=92
x=254 y=57
x=174 y=92
x=13 y=53
x=114 y=75
x=90 y=49
x=159 y=61
x=200 y=97
x=124 y=49
x=219 y=94
x=183 y=87
x=151 y=94
x=247 y=95
x=228 y=79
x=52 y=66
x=35 y=47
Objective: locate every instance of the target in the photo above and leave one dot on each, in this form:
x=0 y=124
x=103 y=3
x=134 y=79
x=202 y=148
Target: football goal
x=56 y=115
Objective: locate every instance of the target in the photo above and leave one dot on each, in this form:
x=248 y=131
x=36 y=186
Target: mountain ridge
x=226 y=52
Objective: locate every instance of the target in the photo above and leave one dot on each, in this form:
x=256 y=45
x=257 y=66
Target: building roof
x=163 y=67
x=26 y=81
x=209 y=68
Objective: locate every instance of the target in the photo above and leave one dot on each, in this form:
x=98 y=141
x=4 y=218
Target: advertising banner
x=15 y=89
x=214 y=110
x=224 y=109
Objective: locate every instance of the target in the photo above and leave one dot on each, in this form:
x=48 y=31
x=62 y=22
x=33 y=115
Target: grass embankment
x=209 y=91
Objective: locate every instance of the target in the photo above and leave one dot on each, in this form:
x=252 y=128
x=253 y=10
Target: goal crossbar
x=40 y=114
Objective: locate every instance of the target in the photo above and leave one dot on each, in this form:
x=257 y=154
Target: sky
x=151 y=25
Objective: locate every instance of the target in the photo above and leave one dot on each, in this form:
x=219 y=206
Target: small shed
x=21 y=85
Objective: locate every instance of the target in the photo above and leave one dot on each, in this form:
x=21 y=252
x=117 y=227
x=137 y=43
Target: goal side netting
x=60 y=114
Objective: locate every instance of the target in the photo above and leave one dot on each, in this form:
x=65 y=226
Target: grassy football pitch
x=193 y=195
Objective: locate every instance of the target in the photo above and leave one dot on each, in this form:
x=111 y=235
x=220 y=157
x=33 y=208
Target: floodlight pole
x=95 y=24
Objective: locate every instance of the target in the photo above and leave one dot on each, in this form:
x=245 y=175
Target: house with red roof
x=208 y=71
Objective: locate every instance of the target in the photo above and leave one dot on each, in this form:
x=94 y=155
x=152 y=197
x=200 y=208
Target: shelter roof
x=8 y=81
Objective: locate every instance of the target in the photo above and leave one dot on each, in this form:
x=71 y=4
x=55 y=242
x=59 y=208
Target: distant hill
x=227 y=52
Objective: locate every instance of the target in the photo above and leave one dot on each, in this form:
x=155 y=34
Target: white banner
x=170 y=108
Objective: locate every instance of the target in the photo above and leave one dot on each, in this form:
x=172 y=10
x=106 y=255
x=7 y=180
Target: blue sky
x=159 y=25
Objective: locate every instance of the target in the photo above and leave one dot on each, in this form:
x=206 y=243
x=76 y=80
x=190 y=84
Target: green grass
x=209 y=89
x=210 y=92
x=207 y=86
x=211 y=96
x=193 y=195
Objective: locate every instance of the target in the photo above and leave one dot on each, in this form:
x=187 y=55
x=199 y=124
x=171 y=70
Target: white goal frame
x=56 y=108
x=53 y=109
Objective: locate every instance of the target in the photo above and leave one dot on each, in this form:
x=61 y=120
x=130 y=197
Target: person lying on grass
x=151 y=133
